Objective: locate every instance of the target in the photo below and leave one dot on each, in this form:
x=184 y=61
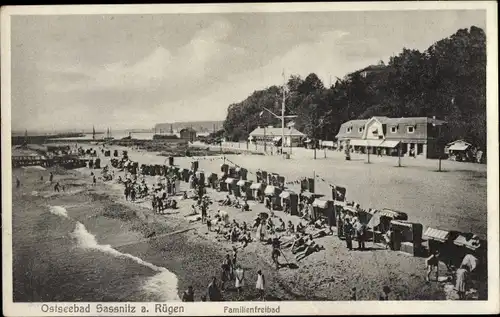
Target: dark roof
x=187 y=129
x=355 y=124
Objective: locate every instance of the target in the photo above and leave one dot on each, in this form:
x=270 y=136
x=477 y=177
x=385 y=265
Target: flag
x=261 y=113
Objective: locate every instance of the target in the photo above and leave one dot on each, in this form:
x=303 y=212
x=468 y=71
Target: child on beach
x=239 y=277
x=260 y=285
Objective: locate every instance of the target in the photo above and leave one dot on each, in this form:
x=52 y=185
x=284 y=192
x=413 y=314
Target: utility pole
x=399 y=152
x=265 y=143
x=368 y=153
x=439 y=147
x=283 y=115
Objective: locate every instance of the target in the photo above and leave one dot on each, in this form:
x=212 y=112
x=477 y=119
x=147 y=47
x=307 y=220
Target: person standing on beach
x=385 y=293
x=432 y=263
x=353 y=294
x=239 y=277
x=127 y=191
x=51 y=177
x=348 y=233
x=224 y=276
x=461 y=285
x=188 y=295
x=260 y=285
x=214 y=293
x=94 y=180
x=57 y=187
x=204 y=208
x=18 y=182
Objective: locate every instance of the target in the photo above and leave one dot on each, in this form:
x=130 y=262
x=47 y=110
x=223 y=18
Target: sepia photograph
x=249 y=155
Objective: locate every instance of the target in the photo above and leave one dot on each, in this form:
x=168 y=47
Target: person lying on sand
x=311 y=247
x=319 y=224
x=322 y=233
x=302 y=244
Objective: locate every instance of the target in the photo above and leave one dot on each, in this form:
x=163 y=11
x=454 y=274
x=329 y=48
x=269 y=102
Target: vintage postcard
x=250 y=159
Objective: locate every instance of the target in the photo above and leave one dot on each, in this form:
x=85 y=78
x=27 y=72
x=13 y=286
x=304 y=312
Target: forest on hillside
x=448 y=80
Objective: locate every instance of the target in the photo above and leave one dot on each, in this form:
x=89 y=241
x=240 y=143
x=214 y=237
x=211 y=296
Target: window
x=394 y=129
x=410 y=129
x=360 y=129
x=348 y=129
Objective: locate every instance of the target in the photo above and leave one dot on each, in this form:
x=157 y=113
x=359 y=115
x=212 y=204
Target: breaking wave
x=58 y=210
x=163 y=284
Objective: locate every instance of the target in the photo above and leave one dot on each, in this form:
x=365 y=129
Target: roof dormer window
x=410 y=129
x=394 y=129
x=361 y=129
x=348 y=129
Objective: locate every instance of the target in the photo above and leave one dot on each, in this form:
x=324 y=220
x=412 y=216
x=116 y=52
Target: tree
x=448 y=80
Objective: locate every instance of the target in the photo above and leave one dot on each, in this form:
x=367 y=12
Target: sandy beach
x=191 y=256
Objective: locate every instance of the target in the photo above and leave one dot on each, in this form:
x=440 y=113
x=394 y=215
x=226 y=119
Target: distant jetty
x=41 y=139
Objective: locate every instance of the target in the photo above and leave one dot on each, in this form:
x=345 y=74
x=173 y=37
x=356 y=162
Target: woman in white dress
x=240 y=278
x=260 y=285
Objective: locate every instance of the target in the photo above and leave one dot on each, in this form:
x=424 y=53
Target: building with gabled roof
x=293 y=137
x=415 y=136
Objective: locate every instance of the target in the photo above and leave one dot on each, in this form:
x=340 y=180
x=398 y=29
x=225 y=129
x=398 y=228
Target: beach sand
x=196 y=255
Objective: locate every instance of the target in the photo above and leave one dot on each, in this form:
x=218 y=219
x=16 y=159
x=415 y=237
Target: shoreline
x=286 y=287
x=328 y=275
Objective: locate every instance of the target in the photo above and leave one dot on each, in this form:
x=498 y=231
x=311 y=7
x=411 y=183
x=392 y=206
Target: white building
x=293 y=137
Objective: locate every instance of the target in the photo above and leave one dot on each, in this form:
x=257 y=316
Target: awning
x=364 y=142
x=307 y=140
x=256 y=186
x=241 y=182
x=472 y=244
x=350 y=209
x=270 y=190
x=285 y=194
x=327 y=143
x=401 y=223
x=230 y=180
x=307 y=194
x=276 y=138
x=389 y=144
x=393 y=214
x=436 y=234
x=459 y=147
x=320 y=203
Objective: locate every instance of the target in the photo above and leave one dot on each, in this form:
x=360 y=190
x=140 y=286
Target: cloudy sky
x=132 y=71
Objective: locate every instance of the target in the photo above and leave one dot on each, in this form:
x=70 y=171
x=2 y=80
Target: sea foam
x=58 y=210
x=163 y=284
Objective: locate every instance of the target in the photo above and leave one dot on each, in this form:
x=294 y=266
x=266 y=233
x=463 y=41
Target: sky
x=132 y=71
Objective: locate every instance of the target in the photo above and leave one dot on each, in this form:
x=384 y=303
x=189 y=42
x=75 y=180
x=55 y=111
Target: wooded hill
x=448 y=80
